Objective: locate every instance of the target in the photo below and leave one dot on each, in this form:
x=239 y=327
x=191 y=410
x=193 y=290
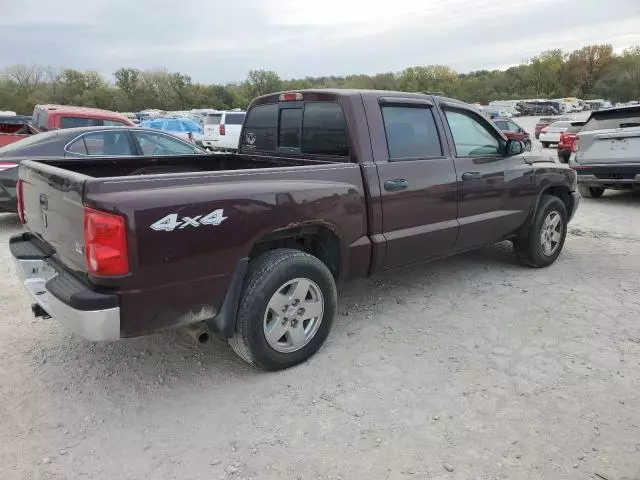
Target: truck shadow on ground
x=146 y=366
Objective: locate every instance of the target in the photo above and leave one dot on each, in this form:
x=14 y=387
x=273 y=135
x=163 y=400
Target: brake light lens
x=222 y=129
x=544 y=130
x=105 y=243
x=290 y=97
x=20 y=195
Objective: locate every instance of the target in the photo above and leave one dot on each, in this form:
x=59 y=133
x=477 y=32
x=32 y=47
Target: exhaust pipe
x=199 y=332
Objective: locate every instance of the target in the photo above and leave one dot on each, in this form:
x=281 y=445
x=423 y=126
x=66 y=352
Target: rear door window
x=111 y=143
x=411 y=132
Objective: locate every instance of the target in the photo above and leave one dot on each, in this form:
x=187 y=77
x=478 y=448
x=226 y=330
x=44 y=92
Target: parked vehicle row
x=327 y=185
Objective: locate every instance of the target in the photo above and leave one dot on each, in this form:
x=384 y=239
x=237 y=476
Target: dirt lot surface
x=470 y=368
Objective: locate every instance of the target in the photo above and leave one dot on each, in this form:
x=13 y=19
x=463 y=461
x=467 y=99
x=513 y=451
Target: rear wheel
x=590 y=192
x=286 y=311
x=545 y=144
x=564 y=157
x=545 y=238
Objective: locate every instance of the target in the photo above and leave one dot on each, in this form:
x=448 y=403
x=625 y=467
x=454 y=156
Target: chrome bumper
x=95 y=325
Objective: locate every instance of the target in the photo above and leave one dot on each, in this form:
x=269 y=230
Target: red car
x=545 y=122
x=513 y=131
x=54 y=117
x=566 y=146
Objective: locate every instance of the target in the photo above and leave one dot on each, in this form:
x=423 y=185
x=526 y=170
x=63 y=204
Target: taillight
x=544 y=130
x=20 y=194
x=222 y=129
x=290 y=97
x=105 y=243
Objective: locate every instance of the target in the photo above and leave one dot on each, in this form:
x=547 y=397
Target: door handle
x=466 y=176
x=395 y=185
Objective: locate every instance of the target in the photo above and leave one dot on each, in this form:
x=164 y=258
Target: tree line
x=594 y=71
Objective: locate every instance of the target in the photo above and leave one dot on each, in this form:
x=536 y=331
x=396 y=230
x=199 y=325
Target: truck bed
x=98 y=167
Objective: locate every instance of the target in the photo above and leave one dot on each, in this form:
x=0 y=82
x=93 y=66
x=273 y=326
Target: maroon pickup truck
x=328 y=185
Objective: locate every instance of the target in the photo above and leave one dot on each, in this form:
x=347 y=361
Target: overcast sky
x=221 y=40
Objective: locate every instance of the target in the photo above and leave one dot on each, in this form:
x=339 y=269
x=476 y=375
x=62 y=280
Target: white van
x=222 y=130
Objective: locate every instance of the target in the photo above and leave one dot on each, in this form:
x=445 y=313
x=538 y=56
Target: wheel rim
x=551 y=234
x=293 y=315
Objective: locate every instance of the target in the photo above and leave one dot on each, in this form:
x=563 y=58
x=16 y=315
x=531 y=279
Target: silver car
x=608 y=151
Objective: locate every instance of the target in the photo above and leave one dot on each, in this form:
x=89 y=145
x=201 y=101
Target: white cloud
x=220 y=41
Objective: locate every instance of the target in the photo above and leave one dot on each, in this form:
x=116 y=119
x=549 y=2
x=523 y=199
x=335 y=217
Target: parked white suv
x=222 y=130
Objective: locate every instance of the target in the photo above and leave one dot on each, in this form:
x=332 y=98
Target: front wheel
x=527 y=145
x=545 y=239
x=590 y=192
x=286 y=311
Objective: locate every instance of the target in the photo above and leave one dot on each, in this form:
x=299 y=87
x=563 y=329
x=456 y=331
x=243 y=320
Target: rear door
x=417 y=180
x=494 y=191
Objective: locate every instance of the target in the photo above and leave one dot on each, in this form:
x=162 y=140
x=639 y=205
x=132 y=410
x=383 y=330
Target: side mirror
x=514 y=147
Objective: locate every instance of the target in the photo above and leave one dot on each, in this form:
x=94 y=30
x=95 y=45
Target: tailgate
x=52 y=199
x=609 y=147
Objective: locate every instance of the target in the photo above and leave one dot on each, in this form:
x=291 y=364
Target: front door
x=418 y=185
x=493 y=189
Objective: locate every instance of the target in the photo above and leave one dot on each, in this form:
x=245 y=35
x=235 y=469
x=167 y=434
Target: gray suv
x=608 y=152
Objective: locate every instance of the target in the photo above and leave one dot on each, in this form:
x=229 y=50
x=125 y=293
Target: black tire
x=527 y=145
x=267 y=274
x=529 y=249
x=564 y=157
x=590 y=192
x=545 y=144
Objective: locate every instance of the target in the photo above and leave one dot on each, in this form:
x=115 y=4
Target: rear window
x=73 y=122
x=613 y=120
x=213 y=119
x=316 y=128
x=261 y=128
x=234 y=118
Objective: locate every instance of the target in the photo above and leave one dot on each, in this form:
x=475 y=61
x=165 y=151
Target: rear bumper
x=608 y=176
x=92 y=315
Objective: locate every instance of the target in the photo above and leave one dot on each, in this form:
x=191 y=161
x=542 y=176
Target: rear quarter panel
x=181 y=276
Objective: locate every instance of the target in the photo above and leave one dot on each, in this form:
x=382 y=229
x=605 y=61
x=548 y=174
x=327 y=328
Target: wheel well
x=319 y=241
x=563 y=193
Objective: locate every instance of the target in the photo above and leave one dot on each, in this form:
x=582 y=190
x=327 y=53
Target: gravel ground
x=470 y=368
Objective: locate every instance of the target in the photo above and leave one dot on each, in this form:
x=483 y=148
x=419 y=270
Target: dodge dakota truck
x=327 y=185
